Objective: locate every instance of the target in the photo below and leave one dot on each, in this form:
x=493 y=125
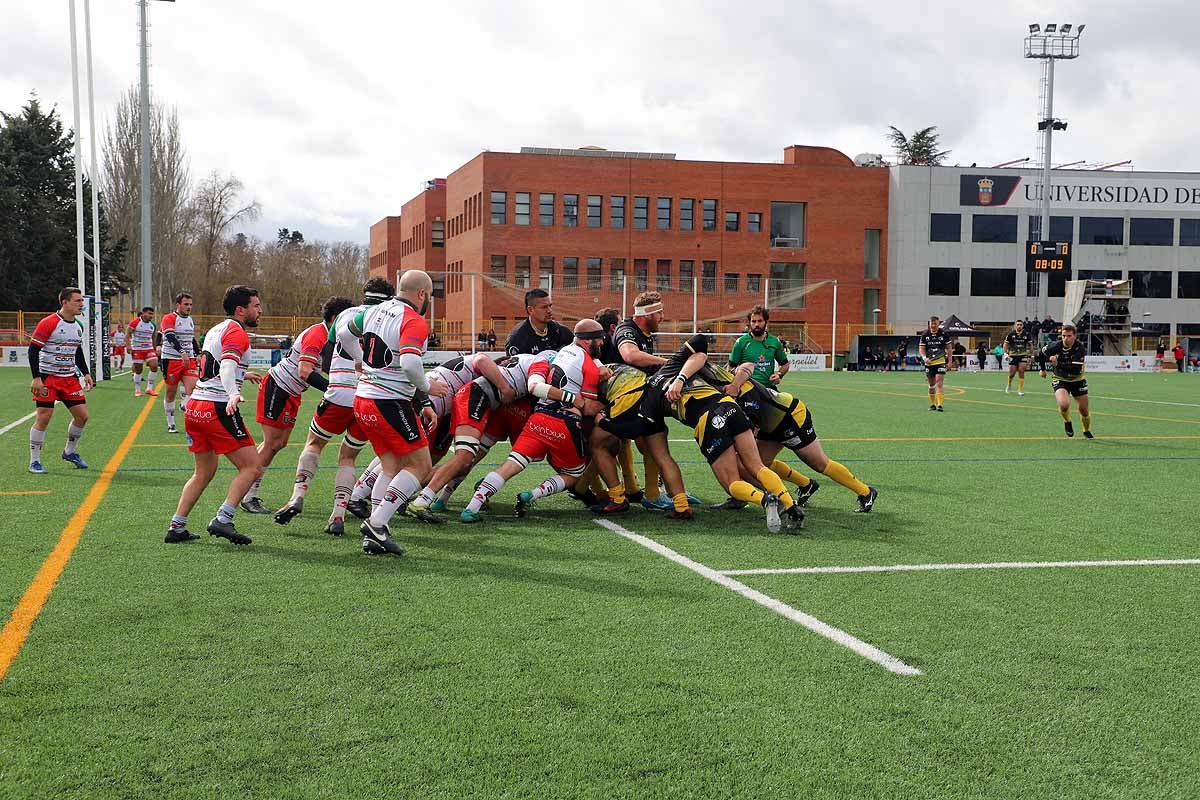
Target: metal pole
x=473 y=333
x=624 y=295
x=833 y=330
x=144 y=51
x=98 y=329
x=79 y=243
x=767 y=291
x=1044 y=279
x=695 y=304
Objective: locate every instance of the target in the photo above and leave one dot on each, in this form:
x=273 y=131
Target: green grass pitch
x=550 y=657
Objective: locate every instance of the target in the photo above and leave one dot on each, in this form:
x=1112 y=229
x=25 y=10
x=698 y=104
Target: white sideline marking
x=867 y=651
x=12 y=425
x=1148 y=562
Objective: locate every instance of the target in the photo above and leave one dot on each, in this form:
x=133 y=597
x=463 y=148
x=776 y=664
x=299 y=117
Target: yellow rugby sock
x=681 y=502
x=1010 y=377
x=940 y=397
x=651 y=478
x=786 y=472
x=740 y=490
x=1020 y=384
x=846 y=478
x=1065 y=413
x=628 y=473
x=932 y=396
x=770 y=481
x=617 y=493
x=1087 y=422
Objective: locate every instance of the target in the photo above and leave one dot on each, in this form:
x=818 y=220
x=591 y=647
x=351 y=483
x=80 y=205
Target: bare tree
x=169 y=191
x=216 y=208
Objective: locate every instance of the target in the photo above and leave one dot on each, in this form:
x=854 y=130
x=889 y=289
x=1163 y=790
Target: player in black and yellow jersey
x=933 y=349
x=1066 y=358
x=633 y=412
x=782 y=420
x=1016 y=347
x=722 y=429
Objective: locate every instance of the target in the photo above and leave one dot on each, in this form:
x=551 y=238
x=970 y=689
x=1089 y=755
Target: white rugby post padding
x=833 y=328
x=98 y=311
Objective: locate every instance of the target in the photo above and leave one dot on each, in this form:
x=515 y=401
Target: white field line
x=867 y=651
x=12 y=425
x=1148 y=562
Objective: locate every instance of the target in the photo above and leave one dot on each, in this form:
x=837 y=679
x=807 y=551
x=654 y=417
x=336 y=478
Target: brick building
x=595 y=227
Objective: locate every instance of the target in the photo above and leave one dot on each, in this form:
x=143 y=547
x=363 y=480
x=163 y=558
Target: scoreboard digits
x=1048 y=257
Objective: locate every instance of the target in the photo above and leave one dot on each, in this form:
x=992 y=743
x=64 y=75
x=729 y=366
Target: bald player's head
x=589 y=334
x=416 y=287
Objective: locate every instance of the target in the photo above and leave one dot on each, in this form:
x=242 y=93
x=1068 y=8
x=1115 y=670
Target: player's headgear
x=588 y=329
x=376 y=290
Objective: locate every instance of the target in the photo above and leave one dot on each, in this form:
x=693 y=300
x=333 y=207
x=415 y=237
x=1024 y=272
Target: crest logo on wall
x=985 y=191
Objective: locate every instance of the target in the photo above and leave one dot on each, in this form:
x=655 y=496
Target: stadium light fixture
x=1052 y=28
x=876 y=312
x=1035 y=28
x=1065 y=29
x=1079 y=31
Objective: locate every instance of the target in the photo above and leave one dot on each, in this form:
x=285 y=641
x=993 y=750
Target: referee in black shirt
x=539 y=331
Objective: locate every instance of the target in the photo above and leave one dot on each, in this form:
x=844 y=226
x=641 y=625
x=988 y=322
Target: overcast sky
x=334 y=113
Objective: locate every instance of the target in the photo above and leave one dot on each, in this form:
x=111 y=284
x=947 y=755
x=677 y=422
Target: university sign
x=1115 y=193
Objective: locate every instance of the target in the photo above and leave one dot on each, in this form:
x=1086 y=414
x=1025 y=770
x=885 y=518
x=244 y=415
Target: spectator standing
x=998 y=352
x=491 y=339
x=1160 y=355
x=1179 y=354
x=982 y=353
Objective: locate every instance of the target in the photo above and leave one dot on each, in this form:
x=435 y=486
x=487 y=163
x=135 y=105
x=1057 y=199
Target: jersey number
x=209 y=367
x=376 y=353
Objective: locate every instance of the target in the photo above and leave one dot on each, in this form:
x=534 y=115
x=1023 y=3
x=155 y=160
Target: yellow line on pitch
x=18 y=625
x=12 y=493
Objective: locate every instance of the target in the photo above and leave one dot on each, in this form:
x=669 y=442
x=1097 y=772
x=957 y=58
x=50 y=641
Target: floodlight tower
x=1054 y=42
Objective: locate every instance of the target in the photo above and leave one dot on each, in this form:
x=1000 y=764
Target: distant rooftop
x=595 y=152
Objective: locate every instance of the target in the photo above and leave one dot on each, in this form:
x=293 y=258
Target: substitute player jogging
x=1067 y=359
x=212 y=421
x=57 y=361
x=932 y=349
x=1016 y=347
x=179 y=348
x=389 y=403
x=141 y=331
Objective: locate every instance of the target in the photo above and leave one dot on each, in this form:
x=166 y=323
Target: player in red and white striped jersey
x=179 y=347
x=214 y=425
x=554 y=430
x=389 y=403
x=117 y=338
x=141 y=330
x=56 y=359
x=279 y=393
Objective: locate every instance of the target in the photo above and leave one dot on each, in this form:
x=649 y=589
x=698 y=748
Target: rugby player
x=179 y=348
x=57 y=360
x=140 y=331
x=388 y=407
x=564 y=388
x=118 y=349
x=213 y=423
x=1067 y=359
x=1016 y=347
x=335 y=415
x=933 y=347
x=539 y=331
x=634 y=341
x=278 y=404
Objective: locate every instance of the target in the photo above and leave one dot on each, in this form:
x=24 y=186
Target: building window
x=1099 y=274
x=708 y=276
x=521 y=272
x=753 y=283
x=641 y=268
x=986 y=282
x=687 y=271
x=641 y=211
x=593 y=211
x=499 y=213
x=664 y=214
x=616 y=271
x=731 y=282
x=710 y=215
x=1152 y=232
x=1057 y=283
x=943 y=281
x=871 y=253
x=785 y=285
x=687 y=214
x=754 y=221
x=1101 y=230
x=945 y=227
x=546 y=272
x=787 y=224
x=570 y=278
x=1062 y=229
x=499 y=271
x=595 y=277
x=1189 y=233
x=732 y=218
x=993 y=228
x=570 y=210
x=616 y=211
x=546 y=209
x=870 y=303
x=438 y=231
x=663 y=275
x=1151 y=284
x=521 y=209
x=1189 y=286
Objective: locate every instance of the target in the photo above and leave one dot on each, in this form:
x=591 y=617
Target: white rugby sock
x=36 y=439
x=549 y=486
x=491 y=483
x=306 y=467
x=341 y=491
x=73 y=434
x=403 y=486
x=366 y=482
x=169 y=407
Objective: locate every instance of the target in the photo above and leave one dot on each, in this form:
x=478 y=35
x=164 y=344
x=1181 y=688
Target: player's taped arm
x=421 y=400
x=544 y=391
x=81 y=361
x=694 y=364
x=35 y=360
x=229 y=383
x=414 y=370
